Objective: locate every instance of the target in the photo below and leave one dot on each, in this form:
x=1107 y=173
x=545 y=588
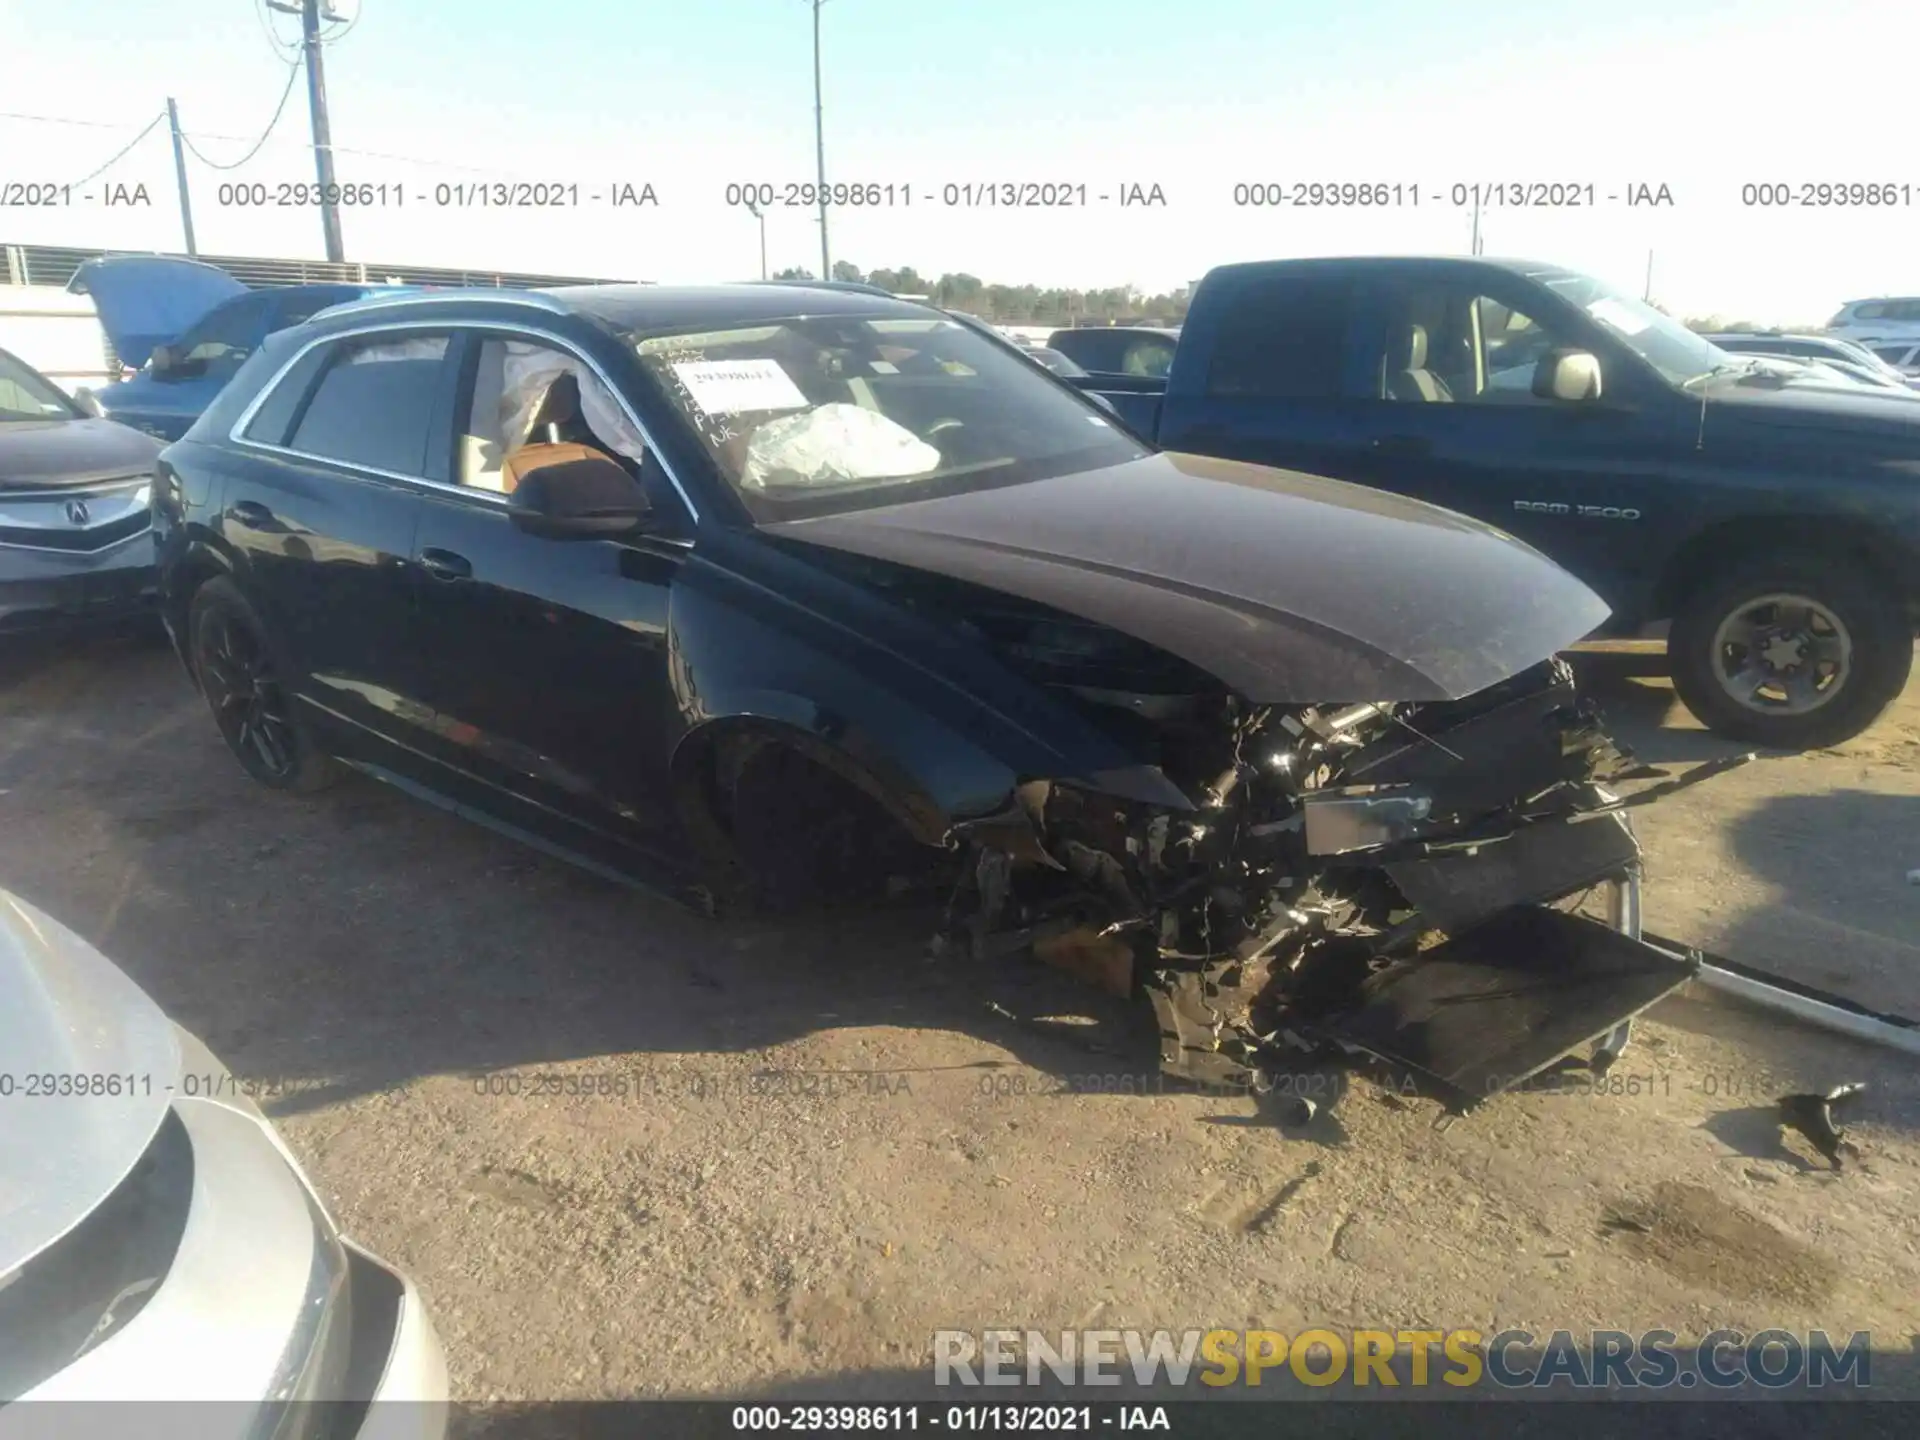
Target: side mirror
x=571 y=492
x=1567 y=375
x=88 y=403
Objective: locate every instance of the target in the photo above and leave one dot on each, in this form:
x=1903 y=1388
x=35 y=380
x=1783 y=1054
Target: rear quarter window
x=1282 y=338
x=374 y=404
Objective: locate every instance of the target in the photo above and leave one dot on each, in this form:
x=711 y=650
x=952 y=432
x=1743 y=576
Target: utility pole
x=180 y=174
x=1648 y=297
x=1476 y=223
x=819 y=145
x=753 y=209
x=310 y=17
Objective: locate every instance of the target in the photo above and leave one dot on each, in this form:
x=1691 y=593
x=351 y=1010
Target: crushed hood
x=67 y=1010
x=50 y=454
x=1290 y=588
x=147 y=300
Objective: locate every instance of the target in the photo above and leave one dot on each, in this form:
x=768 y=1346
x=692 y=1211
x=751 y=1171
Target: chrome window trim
x=236 y=434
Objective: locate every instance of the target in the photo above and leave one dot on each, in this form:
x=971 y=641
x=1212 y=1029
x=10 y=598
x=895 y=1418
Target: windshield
x=25 y=394
x=1663 y=342
x=820 y=414
x=1860 y=355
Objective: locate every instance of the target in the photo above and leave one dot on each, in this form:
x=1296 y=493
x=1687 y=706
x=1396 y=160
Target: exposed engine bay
x=1378 y=878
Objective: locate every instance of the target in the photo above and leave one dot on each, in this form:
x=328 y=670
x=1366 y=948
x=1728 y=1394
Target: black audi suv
x=768 y=593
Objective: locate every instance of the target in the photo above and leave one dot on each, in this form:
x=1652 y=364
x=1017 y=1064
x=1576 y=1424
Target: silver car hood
x=66 y=1013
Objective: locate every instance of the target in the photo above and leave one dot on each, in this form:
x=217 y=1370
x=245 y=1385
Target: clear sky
x=1701 y=96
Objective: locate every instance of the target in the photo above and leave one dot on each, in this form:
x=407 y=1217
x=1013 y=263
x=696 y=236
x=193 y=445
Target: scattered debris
x=1812 y=1116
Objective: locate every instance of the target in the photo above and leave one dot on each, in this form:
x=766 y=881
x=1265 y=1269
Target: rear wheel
x=1792 y=654
x=237 y=672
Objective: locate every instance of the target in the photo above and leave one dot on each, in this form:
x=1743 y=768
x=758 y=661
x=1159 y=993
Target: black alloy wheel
x=239 y=677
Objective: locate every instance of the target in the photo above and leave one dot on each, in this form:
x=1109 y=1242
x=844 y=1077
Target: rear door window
x=374 y=404
x=1284 y=338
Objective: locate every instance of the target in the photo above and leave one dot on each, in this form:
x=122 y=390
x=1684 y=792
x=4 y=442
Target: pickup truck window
x=1445 y=343
x=1284 y=339
x=1663 y=342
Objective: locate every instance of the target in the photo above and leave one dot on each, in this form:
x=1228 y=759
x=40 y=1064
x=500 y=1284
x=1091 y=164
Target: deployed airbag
x=834 y=444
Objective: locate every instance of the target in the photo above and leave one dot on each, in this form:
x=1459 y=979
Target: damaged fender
x=929 y=724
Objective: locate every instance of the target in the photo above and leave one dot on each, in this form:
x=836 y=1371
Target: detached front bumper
x=1378 y=881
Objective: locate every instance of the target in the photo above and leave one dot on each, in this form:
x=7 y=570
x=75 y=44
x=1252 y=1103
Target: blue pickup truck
x=1769 y=511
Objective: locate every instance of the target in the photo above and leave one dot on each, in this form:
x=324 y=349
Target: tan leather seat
x=532 y=457
x=1415 y=381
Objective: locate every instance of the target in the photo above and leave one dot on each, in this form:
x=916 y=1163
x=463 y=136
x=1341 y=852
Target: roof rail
x=536 y=298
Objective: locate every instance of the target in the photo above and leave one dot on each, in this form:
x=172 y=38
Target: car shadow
x=350 y=942
x=1644 y=713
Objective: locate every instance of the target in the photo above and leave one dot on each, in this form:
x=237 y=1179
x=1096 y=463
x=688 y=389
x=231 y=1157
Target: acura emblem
x=77 y=512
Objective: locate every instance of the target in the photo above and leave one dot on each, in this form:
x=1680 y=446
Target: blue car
x=188 y=327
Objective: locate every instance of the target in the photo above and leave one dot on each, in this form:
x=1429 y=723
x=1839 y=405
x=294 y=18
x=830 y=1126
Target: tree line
x=1016 y=304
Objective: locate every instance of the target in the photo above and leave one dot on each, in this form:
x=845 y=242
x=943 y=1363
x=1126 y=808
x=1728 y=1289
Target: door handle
x=252 y=514
x=445 y=565
x=1403 y=445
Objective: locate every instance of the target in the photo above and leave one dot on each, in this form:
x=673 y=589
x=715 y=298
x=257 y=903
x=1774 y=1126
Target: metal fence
x=55 y=264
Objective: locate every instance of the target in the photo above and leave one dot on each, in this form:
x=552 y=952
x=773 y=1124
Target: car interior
x=527 y=396
x=1447 y=346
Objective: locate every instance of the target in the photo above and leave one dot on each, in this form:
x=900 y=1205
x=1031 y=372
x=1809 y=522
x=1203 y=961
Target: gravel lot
x=919 y=1160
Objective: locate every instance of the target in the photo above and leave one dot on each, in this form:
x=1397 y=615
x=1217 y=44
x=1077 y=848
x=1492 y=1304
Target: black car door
x=1451 y=417
x=548 y=658
x=321 y=509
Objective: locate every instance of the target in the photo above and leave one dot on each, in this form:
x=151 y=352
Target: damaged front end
x=1382 y=879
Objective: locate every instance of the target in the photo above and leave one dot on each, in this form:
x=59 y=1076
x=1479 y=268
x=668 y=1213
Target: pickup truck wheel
x=1792 y=655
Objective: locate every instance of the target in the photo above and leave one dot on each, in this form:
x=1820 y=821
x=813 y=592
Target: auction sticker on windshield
x=731 y=387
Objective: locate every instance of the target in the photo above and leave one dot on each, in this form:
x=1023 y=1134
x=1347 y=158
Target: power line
x=63 y=120
x=293 y=72
x=337 y=149
x=121 y=151
x=280 y=47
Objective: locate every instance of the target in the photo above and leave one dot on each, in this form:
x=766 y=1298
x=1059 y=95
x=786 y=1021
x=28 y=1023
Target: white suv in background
x=1877 y=322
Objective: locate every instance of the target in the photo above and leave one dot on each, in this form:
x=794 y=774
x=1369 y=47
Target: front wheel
x=235 y=666
x=1792 y=654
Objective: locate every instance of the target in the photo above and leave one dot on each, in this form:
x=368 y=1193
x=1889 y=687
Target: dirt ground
x=830 y=1146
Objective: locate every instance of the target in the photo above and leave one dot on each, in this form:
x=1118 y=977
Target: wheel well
x=194 y=572
x=1712 y=551
x=702 y=808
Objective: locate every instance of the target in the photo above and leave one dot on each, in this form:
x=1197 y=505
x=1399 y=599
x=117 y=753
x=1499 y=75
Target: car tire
x=1872 y=628
x=237 y=669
